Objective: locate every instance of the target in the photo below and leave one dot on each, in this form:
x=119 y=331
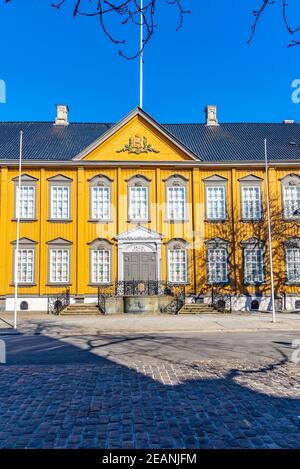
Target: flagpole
x=141 y=54
x=270 y=235
x=18 y=231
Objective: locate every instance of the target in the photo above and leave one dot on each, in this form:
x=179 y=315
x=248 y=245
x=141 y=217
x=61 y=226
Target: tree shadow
x=55 y=394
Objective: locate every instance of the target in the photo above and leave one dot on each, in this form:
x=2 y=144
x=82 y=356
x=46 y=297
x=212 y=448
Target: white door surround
x=139 y=239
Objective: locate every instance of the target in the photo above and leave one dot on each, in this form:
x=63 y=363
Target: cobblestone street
x=149 y=403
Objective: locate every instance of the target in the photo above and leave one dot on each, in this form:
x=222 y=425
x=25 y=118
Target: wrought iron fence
x=56 y=303
x=221 y=301
x=142 y=288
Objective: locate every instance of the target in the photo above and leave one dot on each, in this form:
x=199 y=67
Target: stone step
x=89 y=309
x=194 y=308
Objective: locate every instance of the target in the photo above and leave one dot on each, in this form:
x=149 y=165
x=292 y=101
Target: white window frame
x=97 y=279
x=184 y=263
x=291 y=204
x=253 y=256
x=57 y=216
x=175 y=202
x=20 y=264
x=20 y=209
x=254 y=209
x=212 y=248
x=132 y=205
x=55 y=279
x=292 y=262
x=100 y=202
x=209 y=201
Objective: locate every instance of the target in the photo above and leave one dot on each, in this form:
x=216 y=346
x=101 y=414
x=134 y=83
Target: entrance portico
x=139 y=254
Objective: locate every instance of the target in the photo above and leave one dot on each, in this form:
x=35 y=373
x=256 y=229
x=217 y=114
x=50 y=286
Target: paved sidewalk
x=44 y=323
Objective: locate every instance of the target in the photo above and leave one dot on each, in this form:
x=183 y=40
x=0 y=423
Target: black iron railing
x=58 y=302
x=177 y=302
x=221 y=301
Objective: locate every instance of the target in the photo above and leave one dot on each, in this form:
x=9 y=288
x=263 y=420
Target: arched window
x=138 y=198
x=217 y=258
x=100 y=198
x=176 y=198
x=177 y=261
x=24 y=306
x=291 y=196
x=254 y=305
x=292 y=260
x=253 y=261
x=100 y=261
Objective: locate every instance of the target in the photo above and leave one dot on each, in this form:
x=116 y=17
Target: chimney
x=211 y=115
x=61 y=114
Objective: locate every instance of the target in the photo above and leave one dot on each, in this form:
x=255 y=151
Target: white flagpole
x=18 y=231
x=141 y=55
x=270 y=235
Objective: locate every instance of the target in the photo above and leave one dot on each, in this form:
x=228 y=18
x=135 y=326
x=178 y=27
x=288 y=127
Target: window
x=177 y=261
x=251 y=202
x=59 y=261
x=24 y=261
x=254 y=265
x=292 y=260
x=254 y=305
x=60 y=202
x=176 y=197
x=59 y=196
x=138 y=203
x=59 y=265
x=25 y=265
x=25 y=197
x=24 y=306
x=215 y=203
x=217 y=261
x=215 y=195
x=100 y=261
x=100 y=266
x=291 y=196
x=291 y=201
x=25 y=202
x=176 y=203
x=100 y=204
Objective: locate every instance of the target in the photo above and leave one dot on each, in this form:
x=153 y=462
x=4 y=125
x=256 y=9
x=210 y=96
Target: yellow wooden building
x=105 y=205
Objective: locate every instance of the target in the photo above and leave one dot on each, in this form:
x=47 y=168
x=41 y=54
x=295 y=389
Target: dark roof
x=227 y=142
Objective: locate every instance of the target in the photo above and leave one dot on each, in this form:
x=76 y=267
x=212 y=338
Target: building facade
x=183 y=204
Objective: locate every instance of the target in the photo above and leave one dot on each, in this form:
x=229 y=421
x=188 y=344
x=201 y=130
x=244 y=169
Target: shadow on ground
x=54 y=394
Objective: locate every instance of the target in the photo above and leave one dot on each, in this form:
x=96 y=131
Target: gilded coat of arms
x=138 y=144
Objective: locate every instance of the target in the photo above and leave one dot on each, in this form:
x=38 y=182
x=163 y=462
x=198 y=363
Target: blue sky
x=47 y=57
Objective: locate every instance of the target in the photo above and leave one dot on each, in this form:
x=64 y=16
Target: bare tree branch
x=258 y=14
x=129 y=11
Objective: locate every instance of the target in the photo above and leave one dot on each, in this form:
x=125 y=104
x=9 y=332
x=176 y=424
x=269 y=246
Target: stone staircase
x=197 y=308
x=76 y=309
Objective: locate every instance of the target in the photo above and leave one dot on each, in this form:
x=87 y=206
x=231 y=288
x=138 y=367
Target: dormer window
x=291 y=196
x=138 y=199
